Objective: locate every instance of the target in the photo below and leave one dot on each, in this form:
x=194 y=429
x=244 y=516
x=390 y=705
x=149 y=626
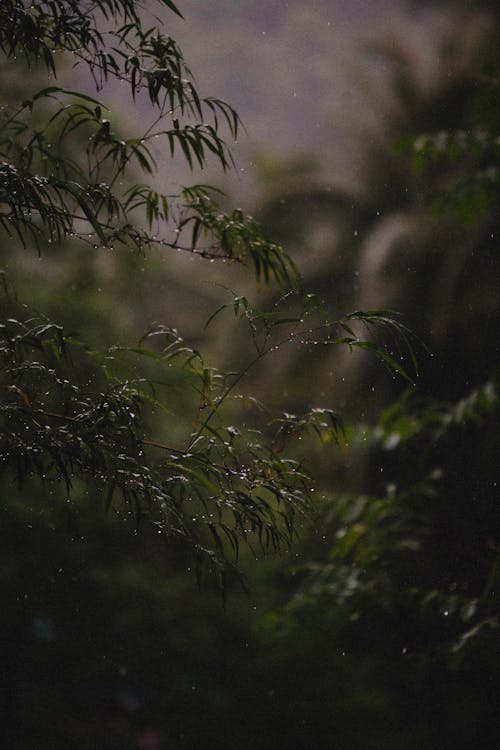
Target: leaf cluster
x=409 y=548
x=67 y=174
x=223 y=486
x=463 y=163
x=51 y=191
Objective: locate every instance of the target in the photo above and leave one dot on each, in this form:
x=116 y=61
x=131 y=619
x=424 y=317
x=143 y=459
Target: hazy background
x=305 y=77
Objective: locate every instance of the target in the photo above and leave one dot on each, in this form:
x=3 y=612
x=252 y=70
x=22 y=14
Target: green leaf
x=172 y=7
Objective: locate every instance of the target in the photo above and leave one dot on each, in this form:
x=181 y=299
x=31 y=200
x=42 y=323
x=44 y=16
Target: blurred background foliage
x=379 y=626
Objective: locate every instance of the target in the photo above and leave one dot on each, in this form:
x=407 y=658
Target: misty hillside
x=300 y=75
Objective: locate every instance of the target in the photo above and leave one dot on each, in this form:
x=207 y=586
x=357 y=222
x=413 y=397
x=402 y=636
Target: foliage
x=396 y=583
x=68 y=415
x=415 y=542
x=410 y=548
x=150 y=436
x=400 y=576
x=48 y=194
x=62 y=430
x=470 y=156
x=71 y=417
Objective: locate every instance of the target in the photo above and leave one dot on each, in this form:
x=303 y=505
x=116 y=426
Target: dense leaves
x=221 y=487
x=49 y=191
x=66 y=176
x=409 y=548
